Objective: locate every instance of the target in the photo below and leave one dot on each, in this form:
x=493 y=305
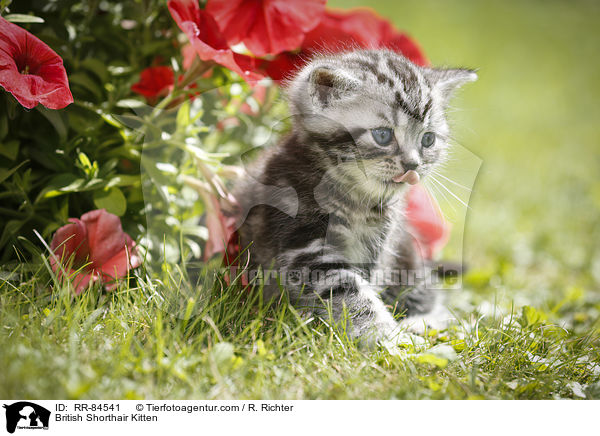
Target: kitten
x=324 y=209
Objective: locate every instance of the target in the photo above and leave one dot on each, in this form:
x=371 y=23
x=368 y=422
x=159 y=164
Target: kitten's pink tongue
x=411 y=177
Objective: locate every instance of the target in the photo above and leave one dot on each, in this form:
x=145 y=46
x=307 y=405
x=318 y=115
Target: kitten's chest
x=364 y=237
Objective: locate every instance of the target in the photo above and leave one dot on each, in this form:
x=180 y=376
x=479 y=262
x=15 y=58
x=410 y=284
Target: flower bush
x=169 y=99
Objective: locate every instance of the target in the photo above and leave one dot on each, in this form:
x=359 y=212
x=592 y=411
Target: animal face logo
x=26 y=415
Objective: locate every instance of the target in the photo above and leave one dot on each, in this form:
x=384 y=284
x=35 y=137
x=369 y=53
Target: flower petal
x=343 y=30
x=189 y=54
x=220 y=227
x=119 y=265
x=269 y=26
x=70 y=240
x=361 y=27
x=106 y=237
x=82 y=280
x=206 y=38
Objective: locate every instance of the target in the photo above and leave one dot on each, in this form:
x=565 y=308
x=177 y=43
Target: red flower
x=30 y=70
x=95 y=248
x=343 y=30
x=266 y=26
x=206 y=38
x=429 y=227
x=154 y=82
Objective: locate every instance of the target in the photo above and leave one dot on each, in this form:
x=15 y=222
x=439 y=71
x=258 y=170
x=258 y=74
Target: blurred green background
x=532 y=117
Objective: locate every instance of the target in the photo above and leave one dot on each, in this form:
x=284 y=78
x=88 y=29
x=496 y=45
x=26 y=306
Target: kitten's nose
x=410 y=165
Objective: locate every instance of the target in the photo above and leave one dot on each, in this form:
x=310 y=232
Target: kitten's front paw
x=438 y=319
x=402 y=343
x=395 y=338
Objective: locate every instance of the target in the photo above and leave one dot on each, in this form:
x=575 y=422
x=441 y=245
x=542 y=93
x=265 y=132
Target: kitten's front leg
x=317 y=276
x=408 y=293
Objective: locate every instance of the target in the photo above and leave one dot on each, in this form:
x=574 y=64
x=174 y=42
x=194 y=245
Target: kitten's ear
x=326 y=85
x=447 y=81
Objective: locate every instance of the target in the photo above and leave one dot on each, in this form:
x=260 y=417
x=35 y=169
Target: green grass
x=528 y=314
x=133 y=343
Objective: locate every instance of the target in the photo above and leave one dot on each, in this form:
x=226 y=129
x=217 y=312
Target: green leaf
x=112 y=200
x=5 y=174
x=60 y=185
x=117 y=69
x=85 y=161
x=440 y=362
x=83 y=119
x=10 y=230
x=530 y=316
x=22 y=18
x=130 y=103
x=4 y=4
x=10 y=149
x=84 y=81
x=183 y=115
x=123 y=180
x=97 y=67
x=3 y=126
x=57 y=119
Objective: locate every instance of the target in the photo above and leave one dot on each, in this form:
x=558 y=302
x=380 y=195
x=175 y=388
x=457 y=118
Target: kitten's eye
x=428 y=139
x=382 y=135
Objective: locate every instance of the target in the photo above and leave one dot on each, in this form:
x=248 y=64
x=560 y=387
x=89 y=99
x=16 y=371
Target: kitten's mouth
x=411 y=177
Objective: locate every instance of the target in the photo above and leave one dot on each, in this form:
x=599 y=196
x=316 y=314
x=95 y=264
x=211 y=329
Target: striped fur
x=347 y=221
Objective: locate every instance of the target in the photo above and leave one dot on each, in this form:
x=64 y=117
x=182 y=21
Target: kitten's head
x=375 y=114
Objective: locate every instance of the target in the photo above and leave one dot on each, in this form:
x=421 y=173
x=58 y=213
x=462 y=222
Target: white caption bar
x=272 y=417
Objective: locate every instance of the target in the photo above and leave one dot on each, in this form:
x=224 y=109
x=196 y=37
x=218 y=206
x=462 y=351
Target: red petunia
x=154 y=82
x=206 y=38
x=94 y=248
x=266 y=26
x=344 y=30
x=429 y=227
x=30 y=70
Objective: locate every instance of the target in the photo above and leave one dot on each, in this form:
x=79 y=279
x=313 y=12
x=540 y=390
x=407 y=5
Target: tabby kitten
x=324 y=209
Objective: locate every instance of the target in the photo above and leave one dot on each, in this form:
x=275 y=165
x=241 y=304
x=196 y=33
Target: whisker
x=450 y=180
x=440 y=193
x=451 y=193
